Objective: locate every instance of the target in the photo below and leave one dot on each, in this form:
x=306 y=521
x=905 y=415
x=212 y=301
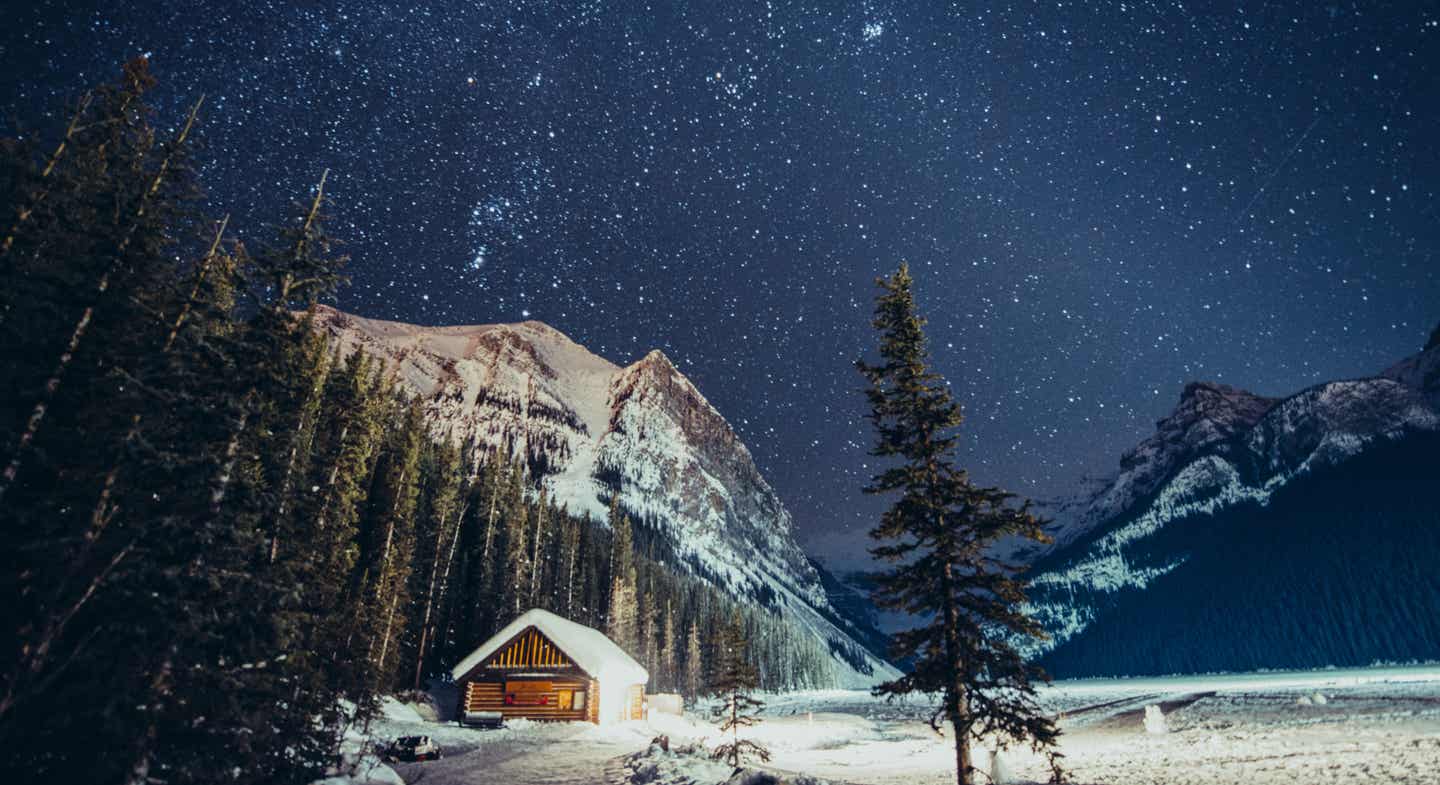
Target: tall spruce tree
x=694 y=677
x=515 y=575
x=669 y=644
x=83 y=280
x=392 y=537
x=437 y=534
x=622 y=609
x=735 y=677
x=938 y=534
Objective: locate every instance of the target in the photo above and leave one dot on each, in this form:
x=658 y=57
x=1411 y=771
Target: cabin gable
x=529 y=650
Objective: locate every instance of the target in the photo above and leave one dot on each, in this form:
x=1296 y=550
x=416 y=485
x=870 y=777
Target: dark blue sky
x=1101 y=201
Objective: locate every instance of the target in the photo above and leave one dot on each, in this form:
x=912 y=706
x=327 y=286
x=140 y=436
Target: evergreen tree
x=938 y=534
x=694 y=662
x=735 y=676
x=515 y=576
x=89 y=272
x=437 y=535
x=394 y=499
x=462 y=615
x=505 y=558
x=327 y=618
x=649 y=634
x=669 y=644
x=538 y=550
x=589 y=605
x=622 y=609
x=570 y=552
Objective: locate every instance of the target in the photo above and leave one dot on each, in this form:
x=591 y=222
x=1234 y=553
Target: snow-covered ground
x=1379 y=725
x=563 y=753
x=1370 y=725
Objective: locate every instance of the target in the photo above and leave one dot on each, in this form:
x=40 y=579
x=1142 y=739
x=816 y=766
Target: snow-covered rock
x=1000 y=768
x=1155 y=720
x=587 y=427
x=1208 y=420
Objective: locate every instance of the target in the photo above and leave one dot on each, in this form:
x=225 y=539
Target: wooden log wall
x=532 y=699
x=635 y=703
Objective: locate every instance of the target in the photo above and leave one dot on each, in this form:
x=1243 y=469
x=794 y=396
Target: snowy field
x=1377 y=725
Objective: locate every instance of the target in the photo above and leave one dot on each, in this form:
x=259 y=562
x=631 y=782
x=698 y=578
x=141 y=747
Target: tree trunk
x=959 y=709
x=490 y=523
x=573 y=543
x=535 y=559
x=389 y=537
x=964 y=773
x=384 y=567
x=200 y=275
x=330 y=481
x=385 y=643
x=232 y=451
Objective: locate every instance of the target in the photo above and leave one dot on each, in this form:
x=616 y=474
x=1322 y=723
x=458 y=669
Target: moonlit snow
x=1155 y=720
x=1379 y=725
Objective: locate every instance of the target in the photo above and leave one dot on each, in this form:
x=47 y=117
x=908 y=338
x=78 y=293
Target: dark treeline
x=223 y=542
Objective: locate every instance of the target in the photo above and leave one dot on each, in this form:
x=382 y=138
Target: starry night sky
x=1100 y=201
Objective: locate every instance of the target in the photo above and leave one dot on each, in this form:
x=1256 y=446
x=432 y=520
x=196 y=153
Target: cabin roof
x=588 y=648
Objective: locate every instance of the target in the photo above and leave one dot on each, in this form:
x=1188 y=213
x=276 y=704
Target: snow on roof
x=596 y=654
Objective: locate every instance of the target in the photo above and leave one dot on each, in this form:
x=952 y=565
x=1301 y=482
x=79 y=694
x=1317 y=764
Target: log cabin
x=544 y=667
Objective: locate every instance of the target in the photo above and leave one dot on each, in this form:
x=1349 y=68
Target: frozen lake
x=1371 y=725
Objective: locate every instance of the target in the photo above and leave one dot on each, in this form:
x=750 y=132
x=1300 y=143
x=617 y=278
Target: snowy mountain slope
x=1228 y=466
x=1208 y=418
x=588 y=427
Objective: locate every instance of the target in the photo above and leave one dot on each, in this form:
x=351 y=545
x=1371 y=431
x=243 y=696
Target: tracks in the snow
x=1128 y=710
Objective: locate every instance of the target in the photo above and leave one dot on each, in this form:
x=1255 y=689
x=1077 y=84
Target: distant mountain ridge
x=1229 y=486
x=589 y=428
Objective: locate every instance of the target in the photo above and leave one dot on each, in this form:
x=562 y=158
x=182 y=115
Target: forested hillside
x=224 y=540
x=1337 y=569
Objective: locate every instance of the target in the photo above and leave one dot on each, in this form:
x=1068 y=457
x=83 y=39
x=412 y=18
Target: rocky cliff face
x=1209 y=419
x=589 y=428
x=1224 y=459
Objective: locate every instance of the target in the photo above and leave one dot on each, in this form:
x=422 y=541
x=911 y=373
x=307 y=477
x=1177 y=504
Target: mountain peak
x=1217 y=403
x=1209 y=414
x=657 y=358
x=589 y=429
x=1230 y=476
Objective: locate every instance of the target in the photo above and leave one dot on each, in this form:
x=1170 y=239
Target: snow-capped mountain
x=588 y=427
x=1243 y=515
